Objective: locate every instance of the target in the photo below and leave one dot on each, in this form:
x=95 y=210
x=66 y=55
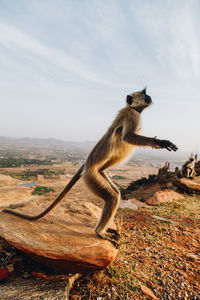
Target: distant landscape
x=15 y=152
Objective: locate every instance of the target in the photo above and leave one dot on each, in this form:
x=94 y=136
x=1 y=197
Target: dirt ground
x=12 y=193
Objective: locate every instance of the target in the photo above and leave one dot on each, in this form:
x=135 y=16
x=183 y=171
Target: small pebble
x=182 y=284
x=26 y=275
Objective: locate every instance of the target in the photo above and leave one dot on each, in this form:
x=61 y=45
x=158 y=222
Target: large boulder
x=164 y=196
x=189 y=185
x=64 y=239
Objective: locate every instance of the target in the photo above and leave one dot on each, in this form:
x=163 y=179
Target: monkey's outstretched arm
x=140 y=140
x=56 y=201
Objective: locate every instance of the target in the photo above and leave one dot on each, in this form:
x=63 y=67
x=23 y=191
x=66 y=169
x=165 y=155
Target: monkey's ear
x=129 y=99
x=144 y=91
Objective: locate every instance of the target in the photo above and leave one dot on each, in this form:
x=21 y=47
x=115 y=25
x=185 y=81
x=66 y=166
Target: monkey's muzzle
x=148 y=99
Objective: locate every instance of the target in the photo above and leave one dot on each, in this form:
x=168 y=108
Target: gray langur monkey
x=116 y=144
x=188 y=169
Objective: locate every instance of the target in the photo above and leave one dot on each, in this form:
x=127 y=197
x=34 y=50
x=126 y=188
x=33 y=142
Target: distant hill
x=86 y=146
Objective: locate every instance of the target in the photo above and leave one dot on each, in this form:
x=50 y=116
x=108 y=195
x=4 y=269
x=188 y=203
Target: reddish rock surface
x=131 y=204
x=64 y=239
x=164 y=196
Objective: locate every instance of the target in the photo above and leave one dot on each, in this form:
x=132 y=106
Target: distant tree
x=40 y=190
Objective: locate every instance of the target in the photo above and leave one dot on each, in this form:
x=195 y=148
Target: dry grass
x=163 y=256
x=189 y=208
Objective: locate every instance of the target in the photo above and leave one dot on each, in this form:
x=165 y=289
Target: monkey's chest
x=122 y=152
x=123 y=149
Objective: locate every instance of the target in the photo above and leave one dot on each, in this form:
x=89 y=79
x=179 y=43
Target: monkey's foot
x=109 y=237
x=116 y=244
x=115 y=233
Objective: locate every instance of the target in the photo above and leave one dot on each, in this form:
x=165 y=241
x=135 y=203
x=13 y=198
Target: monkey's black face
x=139 y=100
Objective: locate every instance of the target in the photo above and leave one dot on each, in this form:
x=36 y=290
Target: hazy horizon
x=87 y=145
x=66 y=67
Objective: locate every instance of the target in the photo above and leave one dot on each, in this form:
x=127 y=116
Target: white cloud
x=16 y=40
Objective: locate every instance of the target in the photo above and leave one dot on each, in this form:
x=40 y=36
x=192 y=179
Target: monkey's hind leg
x=102 y=229
x=189 y=173
x=115 y=188
x=99 y=185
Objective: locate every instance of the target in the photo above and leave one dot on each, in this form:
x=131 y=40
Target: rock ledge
x=64 y=239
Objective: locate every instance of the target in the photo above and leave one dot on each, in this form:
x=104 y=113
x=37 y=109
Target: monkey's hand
x=166 y=144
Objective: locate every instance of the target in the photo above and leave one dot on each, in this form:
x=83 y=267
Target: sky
x=67 y=66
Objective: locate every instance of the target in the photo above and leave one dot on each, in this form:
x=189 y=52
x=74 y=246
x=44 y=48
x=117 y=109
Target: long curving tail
x=56 y=201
